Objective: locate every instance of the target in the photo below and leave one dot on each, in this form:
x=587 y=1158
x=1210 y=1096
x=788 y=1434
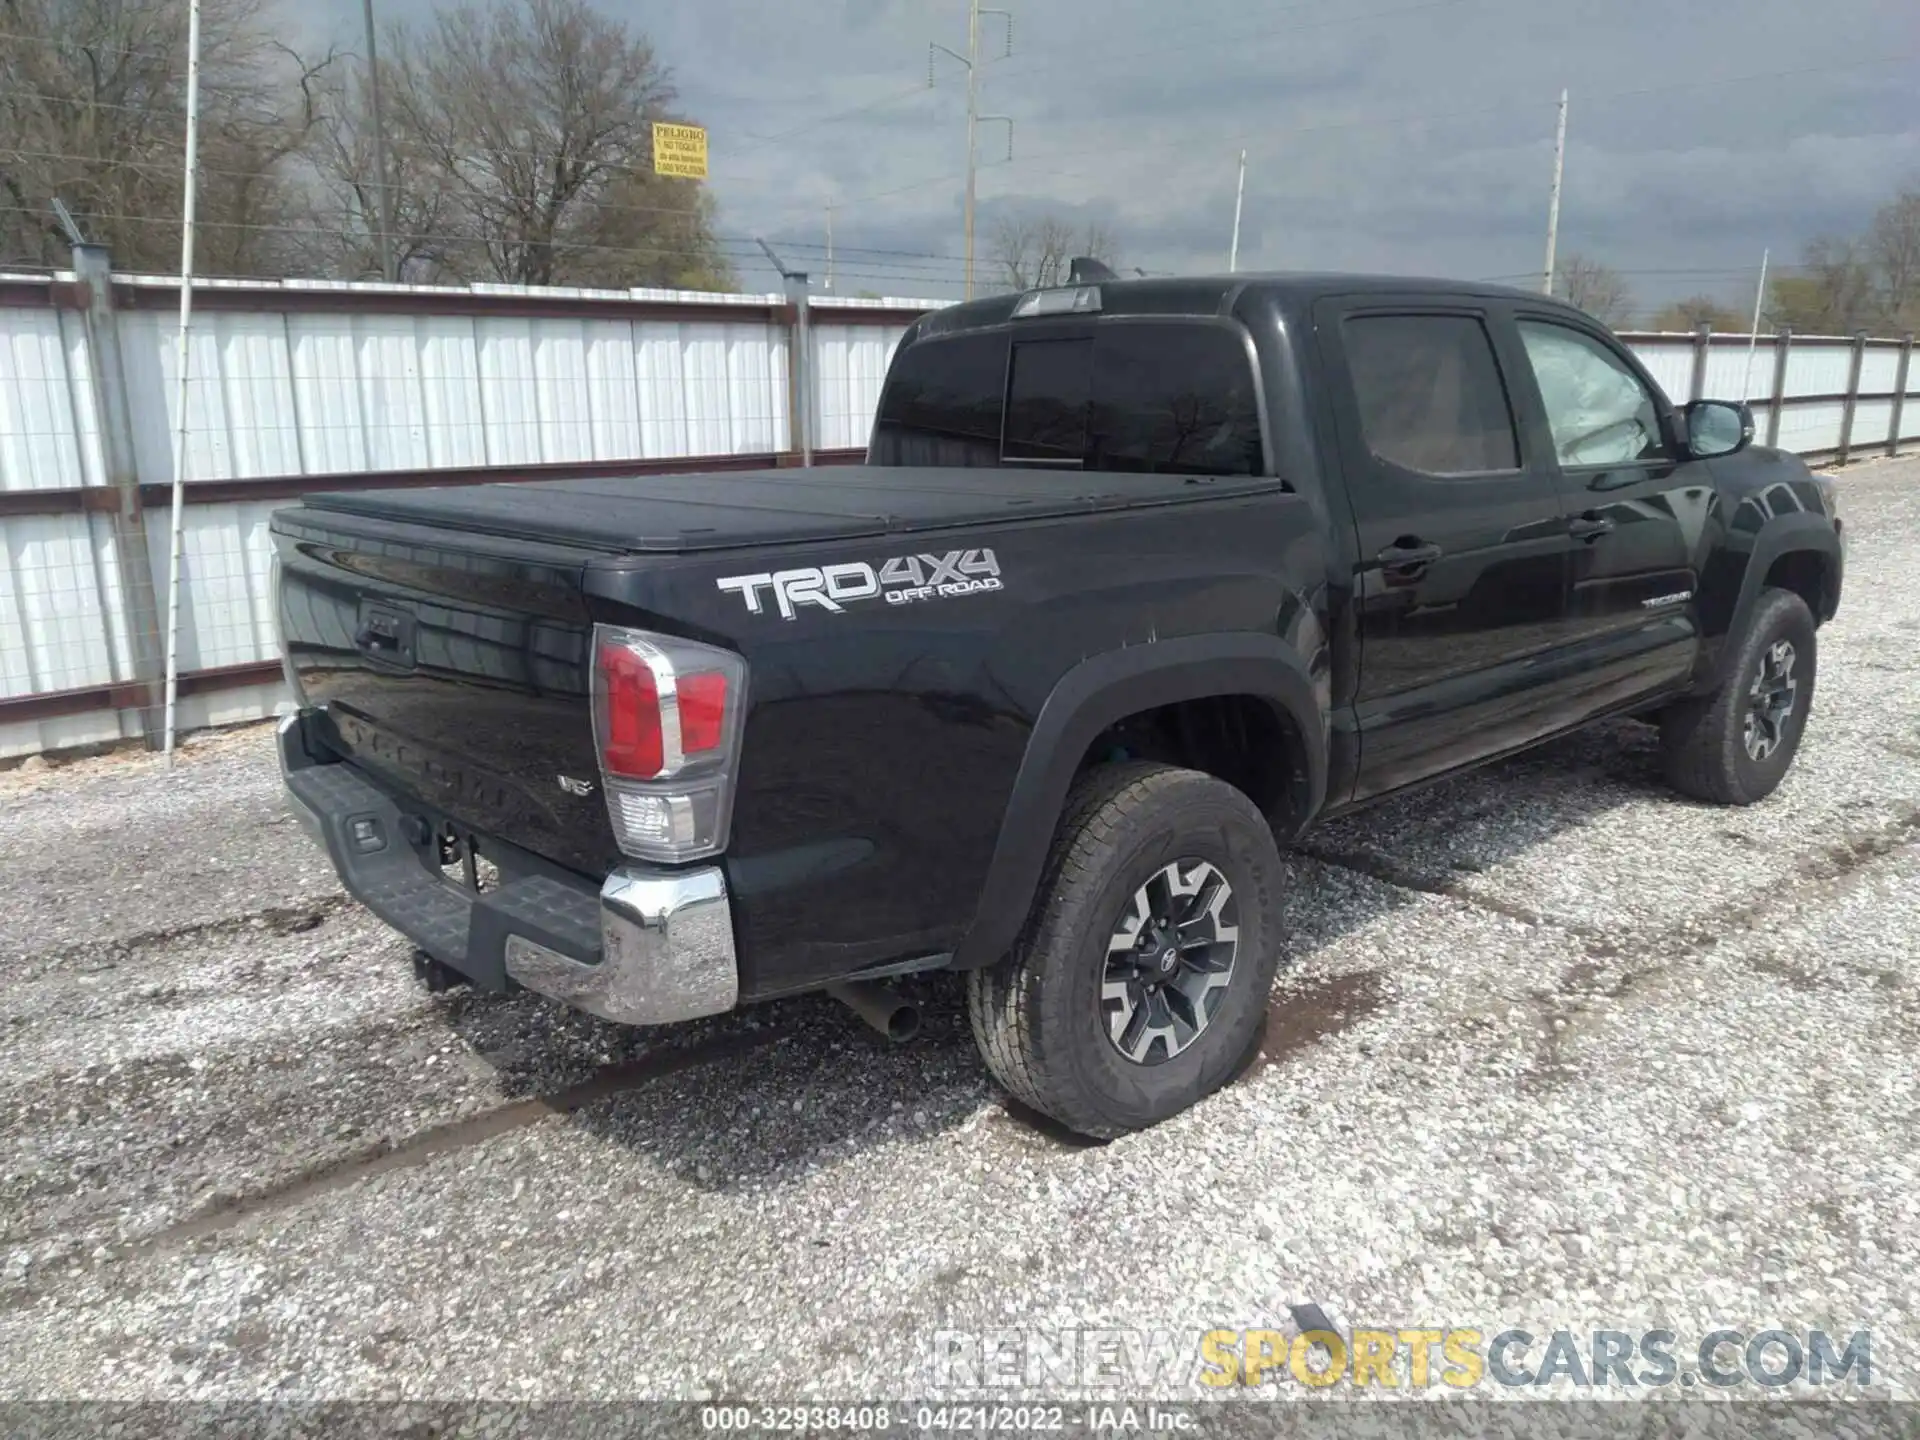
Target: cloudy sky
x=1411 y=136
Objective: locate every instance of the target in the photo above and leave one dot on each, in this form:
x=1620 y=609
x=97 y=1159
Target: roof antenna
x=1084 y=269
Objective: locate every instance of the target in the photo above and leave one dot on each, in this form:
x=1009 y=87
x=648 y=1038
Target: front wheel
x=1734 y=747
x=1141 y=977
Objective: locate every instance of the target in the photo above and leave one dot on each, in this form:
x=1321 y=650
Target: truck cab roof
x=1199 y=295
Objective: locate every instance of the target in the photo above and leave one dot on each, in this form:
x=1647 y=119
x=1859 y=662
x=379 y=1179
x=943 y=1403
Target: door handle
x=1404 y=555
x=1588 y=527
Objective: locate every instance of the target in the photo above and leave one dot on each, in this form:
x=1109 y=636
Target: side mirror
x=1718 y=427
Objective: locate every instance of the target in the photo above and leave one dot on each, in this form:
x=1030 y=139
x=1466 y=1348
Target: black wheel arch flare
x=1093 y=696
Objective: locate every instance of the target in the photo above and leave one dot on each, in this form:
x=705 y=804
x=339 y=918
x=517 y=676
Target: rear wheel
x=1141 y=977
x=1734 y=747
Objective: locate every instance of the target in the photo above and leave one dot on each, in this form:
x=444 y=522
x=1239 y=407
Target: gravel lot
x=1552 y=1048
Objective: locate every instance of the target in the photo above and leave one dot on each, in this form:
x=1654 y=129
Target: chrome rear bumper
x=666 y=951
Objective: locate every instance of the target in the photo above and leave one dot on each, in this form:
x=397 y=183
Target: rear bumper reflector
x=646 y=947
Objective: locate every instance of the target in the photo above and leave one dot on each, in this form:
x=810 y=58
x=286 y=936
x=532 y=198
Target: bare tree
x=1035 y=251
x=91 y=111
x=343 y=190
x=1597 y=289
x=1833 y=293
x=1698 y=310
x=520 y=145
x=1893 y=250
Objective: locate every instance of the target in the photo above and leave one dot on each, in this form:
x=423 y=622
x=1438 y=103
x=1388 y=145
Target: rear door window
x=1430 y=394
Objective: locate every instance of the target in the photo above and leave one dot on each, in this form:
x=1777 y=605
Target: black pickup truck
x=1139 y=580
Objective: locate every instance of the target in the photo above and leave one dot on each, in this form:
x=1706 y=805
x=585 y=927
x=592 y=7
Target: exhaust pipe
x=883 y=1009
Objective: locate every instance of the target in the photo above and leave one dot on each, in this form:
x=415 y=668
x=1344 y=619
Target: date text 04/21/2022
x=948 y=1419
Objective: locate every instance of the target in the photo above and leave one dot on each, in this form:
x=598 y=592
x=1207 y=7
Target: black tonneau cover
x=718 y=511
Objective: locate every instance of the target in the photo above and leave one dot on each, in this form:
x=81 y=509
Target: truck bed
x=734 y=509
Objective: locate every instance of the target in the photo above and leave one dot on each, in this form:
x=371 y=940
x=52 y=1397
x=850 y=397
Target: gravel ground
x=1551 y=1049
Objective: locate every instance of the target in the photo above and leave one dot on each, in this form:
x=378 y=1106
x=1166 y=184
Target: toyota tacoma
x=1139 y=580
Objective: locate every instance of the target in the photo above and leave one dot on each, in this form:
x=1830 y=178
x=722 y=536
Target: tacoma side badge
x=573 y=786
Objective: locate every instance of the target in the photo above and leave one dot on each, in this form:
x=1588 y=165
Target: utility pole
x=829 y=284
x=174 y=536
x=1239 y=197
x=1553 y=206
x=973 y=124
x=972 y=61
x=387 y=270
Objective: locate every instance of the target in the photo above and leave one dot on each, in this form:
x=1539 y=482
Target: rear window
x=1430 y=395
x=1171 y=398
x=942 y=403
x=1047 y=402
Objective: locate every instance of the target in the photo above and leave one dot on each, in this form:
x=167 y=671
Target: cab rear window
x=1169 y=398
x=943 y=403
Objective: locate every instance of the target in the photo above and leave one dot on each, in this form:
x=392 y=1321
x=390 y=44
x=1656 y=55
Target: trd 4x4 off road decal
x=900 y=581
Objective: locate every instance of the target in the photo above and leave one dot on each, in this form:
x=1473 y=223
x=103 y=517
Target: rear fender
x=1098 y=693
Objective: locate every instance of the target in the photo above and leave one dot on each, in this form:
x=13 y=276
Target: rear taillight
x=666 y=720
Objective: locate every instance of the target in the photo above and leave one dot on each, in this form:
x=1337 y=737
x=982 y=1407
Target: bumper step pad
x=360 y=826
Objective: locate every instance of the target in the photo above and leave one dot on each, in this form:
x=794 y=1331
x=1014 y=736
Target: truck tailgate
x=454 y=667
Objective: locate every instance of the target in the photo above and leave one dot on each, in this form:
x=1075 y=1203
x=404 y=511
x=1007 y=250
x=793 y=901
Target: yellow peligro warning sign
x=680 y=150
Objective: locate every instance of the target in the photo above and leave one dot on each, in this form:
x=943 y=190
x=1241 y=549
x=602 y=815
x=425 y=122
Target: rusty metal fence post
x=1855 y=361
x=93 y=272
x=806 y=396
x=1697 y=383
x=1899 y=393
x=1782 y=347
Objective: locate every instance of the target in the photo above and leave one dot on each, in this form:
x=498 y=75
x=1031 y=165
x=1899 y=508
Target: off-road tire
x=1037 y=1013
x=1702 y=742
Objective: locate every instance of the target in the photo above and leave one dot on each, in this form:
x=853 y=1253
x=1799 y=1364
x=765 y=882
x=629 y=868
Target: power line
x=617 y=166
x=616 y=207
x=761 y=141
x=1080 y=60
x=474 y=242
x=754 y=141
x=729 y=247
x=155 y=107
x=1677 y=87
x=1682 y=86
x=871 y=250
x=170 y=168
x=1084 y=60
x=56 y=42
x=1737 y=272
x=876 y=271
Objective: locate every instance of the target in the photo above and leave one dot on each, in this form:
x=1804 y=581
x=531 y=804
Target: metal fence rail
x=301 y=386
